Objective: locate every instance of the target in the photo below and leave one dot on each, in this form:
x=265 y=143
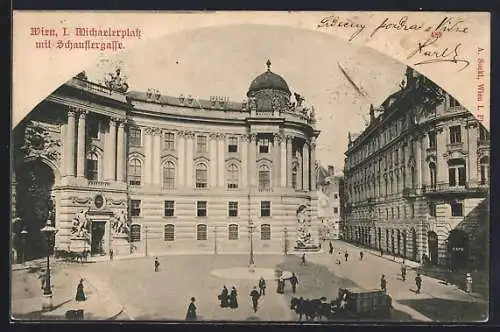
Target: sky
x=222 y=61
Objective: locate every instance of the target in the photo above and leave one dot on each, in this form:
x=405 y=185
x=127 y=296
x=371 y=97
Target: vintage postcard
x=251 y=166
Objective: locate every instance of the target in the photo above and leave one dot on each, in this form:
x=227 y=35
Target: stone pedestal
x=47 y=302
x=120 y=244
x=78 y=244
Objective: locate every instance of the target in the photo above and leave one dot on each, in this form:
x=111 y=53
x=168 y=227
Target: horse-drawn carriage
x=351 y=303
x=72 y=256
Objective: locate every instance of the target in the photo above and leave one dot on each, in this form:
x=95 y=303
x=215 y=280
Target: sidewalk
x=26 y=301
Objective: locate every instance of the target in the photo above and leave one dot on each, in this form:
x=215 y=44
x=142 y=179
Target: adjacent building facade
x=417 y=179
x=329 y=186
x=139 y=171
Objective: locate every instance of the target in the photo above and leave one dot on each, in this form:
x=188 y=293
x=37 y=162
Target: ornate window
x=455 y=134
x=201 y=208
x=169 y=209
x=264 y=145
x=264 y=177
x=135 y=207
x=265 y=232
x=135 y=233
x=169 y=141
x=201 y=232
x=484 y=165
x=169 y=232
x=456 y=172
x=232 y=176
x=201 y=176
x=232 y=144
x=169 y=175
x=233 y=232
x=433 y=174
x=92 y=168
x=135 y=136
x=233 y=209
x=294 y=177
x=134 y=172
x=265 y=208
x=201 y=144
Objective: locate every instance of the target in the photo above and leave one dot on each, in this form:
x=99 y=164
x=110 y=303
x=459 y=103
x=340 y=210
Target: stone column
x=148 y=151
x=276 y=161
x=80 y=156
x=156 y=161
x=120 y=153
x=110 y=152
x=300 y=183
x=253 y=160
x=418 y=161
x=189 y=159
x=305 y=167
x=221 y=164
x=313 y=163
x=212 y=171
x=181 y=162
x=69 y=144
x=283 y=163
x=289 y=159
x=244 y=161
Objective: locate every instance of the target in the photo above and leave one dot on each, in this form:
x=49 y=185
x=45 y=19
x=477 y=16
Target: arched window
x=413 y=177
x=169 y=175
x=456 y=172
x=264 y=177
x=232 y=232
x=169 y=232
x=201 y=232
x=294 y=177
x=484 y=169
x=265 y=232
x=134 y=172
x=92 y=168
x=232 y=176
x=432 y=173
x=135 y=233
x=201 y=176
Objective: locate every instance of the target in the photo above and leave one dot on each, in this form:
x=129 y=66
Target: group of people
x=228 y=300
x=418 y=279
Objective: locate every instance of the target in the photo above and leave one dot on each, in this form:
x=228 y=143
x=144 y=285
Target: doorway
x=432 y=242
x=98 y=230
x=458 y=249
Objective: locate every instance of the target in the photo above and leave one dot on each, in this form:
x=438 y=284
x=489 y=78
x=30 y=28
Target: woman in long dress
x=80 y=295
x=233 y=299
x=224 y=301
x=191 y=312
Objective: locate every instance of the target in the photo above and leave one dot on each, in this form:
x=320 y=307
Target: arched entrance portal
x=35 y=181
x=432 y=242
x=458 y=250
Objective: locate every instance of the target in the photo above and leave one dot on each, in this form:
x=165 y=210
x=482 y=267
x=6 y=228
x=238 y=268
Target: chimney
x=372 y=113
x=330 y=170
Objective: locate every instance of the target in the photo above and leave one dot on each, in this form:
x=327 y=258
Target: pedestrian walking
x=468 y=283
x=157 y=264
x=361 y=255
x=262 y=286
x=80 y=294
x=331 y=248
x=191 y=312
x=303 y=259
x=294 y=281
x=383 y=283
x=403 y=271
x=346 y=255
x=42 y=280
x=381 y=252
x=254 y=294
x=111 y=253
x=224 y=297
x=418 y=282
x=281 y=286
x=233 y=298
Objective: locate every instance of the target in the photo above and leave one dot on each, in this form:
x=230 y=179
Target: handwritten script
x=430 y=51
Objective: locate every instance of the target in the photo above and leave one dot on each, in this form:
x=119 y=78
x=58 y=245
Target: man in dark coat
x=80 y=295
x=383 y=283
x=191 y=312
x=361 y=254
x=254 y=294
x=233 y=298
x=262 y=286
x=418 y=282
x=224 y=298
x=403 y=271
x=346 y=255
x=294 y=281
x=303 y=259
x=331 y=248
x=157 y=264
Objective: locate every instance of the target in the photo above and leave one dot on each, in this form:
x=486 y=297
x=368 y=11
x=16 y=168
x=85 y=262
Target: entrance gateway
x=100 y=232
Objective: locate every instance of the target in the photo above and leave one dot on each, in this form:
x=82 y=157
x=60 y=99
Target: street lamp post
x=49 y=232
x=215 y=240
x=24 y=235
x=251 y=264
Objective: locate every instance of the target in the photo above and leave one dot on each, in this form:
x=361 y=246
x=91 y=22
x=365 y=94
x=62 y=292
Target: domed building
x=144 y=172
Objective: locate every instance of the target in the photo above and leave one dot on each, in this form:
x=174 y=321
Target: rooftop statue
x=115 y=82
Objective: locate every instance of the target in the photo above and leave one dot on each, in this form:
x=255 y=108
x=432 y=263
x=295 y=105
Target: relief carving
x=40 y=142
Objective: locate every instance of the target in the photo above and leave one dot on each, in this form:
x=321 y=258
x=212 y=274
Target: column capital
x=121 y=124
x=252 y=137
x=289 y=138
x=189 y=134
x=220 y=136
x=82 y=113
x=244 y=138
x=278 y=138
x=72 y=111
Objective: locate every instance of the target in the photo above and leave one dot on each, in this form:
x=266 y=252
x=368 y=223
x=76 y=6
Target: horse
x=310 y=308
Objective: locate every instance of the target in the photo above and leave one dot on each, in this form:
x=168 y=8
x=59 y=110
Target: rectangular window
x=232 y=146
x=135 y=233
x=455 y=134
x=201 y=144
x=264 y=145
x=432 y=140
x=169 y=209
x=412 y=210
x=135 y=136
x=169 y=233
x=232 y=232
x=461 y=176
x=233 y=209
x=201 y=208
x=457 y=209
x=201 y=232
x=335 y=210
x=335 y=196
x=135 y=208
x=169 y=141
x=265 y=208
x=454 y=102
x=265 y=232
x=432 y=209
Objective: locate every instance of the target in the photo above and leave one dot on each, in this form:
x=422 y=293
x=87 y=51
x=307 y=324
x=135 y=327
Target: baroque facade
x=139 y=171
x=417 y=179
x=329 y=187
